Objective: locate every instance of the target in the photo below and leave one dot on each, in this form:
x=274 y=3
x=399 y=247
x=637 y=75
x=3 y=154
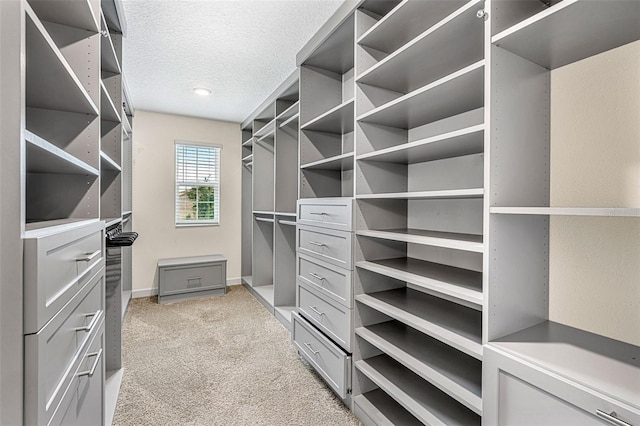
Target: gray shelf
x=449 y=194
x=572 y=30
x=289 y=113
x=265 y=292
x=72 y=13
x=458 y=283
x=338 y=120
x=247 y=158
x=108 y=110
x=44 y=157
x=383 y=409
x=339 y=162
x=51 y=83
x=456 y=41
x=454 y=373
x=569 y=211
x=457 y=326
x=336 y=51
x=248 y=142
x=265 y=131
x=107 y=163
x=109 y=59
x=50 y=227
x=264 y=219
x=607 y=366
x=405 y=22
x=453 y=144
x=456 y=93
x=424 y=401
x=454 y=241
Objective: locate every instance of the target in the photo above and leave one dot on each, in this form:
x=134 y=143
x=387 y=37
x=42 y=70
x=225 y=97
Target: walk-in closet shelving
x=327 y=117
x=546 y=212
x=270 y=189
x=419 y=187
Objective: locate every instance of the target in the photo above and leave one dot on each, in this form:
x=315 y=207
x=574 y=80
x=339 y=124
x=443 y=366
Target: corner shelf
x=52 y=82
x=461 y=284
x=44 y=157
x=465 y=242
x=572 y=30
x=458 y=92
x=338 y=120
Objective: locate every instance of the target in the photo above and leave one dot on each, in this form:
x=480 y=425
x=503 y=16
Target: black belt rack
x=117 y=238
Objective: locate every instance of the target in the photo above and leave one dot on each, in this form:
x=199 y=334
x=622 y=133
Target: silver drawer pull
x=89 y=257
x=314 y=309
x=612 y=417
x=315 y=243
x=308 y=345
x=316 y=276
x=319 y=214
x=94 y=366
x=94 y=320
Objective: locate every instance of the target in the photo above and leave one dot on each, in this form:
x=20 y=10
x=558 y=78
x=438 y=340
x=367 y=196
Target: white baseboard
x=148 y=292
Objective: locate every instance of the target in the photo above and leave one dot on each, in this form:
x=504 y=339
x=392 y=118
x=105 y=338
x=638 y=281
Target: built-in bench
x=185 y=278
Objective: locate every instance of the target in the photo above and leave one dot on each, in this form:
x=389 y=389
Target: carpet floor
x=217 y=361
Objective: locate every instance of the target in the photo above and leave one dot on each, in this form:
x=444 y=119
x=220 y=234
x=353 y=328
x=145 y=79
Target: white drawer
x=333 y=364
x=528 y=394
x=334 y=213
x=51 y=354
x=83 y=400
x=332 y=282
x=56 y=266
x=331 y=246
x=330 y=317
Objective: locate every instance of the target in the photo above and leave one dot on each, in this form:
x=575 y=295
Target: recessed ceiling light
x=202 y=91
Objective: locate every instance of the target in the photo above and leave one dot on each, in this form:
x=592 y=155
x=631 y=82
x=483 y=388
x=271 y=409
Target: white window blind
x=197 y=184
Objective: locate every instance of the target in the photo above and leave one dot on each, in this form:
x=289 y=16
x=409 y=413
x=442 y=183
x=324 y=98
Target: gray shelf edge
x=45 y=145
x=271 y=98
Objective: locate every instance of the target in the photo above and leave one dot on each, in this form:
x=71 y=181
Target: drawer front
x=56 y=266
x=188 y=278
x=333 y=364
x=332 y=282
x=51 y=353
x=83 y=401
x=527 y=394
x=329 y=316
x=325 y=244
x=331 y=213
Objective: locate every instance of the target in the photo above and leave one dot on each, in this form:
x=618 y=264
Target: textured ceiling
x=240 y=49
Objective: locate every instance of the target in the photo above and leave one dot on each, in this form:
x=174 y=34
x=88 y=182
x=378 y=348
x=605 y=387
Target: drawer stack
x=322 y=327
x=64 y=297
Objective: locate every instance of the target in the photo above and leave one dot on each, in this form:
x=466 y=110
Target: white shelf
x=457 y=326
x=456 y=93
x=285 y=312
x=456 y=41
x=126 y=124
x=568 y=211
x=265 y=131
x=265 y=219
x=339 y=162
x=450 y=240
x=248 y=158
x=291 y=120
x=458 y=283
x=50 y=227
x=247 y=279
x=456 y=374
x=263 y=212
x=291 y=214
x=265 y=292
x=405 y=21
x=338 y=120
x=384 y=410
x=51 y=83
x=248 y=142
x=108 y=221
x=287 y=114
x=572 y=30
x=108 y=110
x=77 y=13
x=582 y=357
x=44 y=157
x=427 y=195
x=422 y=400
x=107 y=163
x=453 y=144
x=109 y=60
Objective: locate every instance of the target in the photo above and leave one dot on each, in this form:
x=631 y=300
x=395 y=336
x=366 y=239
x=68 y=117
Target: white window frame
x=177 y=183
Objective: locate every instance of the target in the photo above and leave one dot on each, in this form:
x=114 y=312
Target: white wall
x=154 y=136
x=595 y=162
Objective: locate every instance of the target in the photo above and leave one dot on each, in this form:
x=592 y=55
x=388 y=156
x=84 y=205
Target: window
x=197 y=184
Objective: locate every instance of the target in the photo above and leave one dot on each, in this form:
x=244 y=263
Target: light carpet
x=217 y=361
